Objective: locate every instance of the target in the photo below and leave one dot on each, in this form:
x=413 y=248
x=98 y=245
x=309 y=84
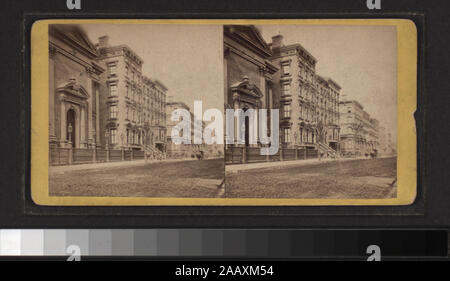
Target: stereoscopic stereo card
x=285 y=112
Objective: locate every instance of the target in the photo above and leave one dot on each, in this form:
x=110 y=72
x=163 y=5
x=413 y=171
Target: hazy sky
x=188 y=59
x=362 y=59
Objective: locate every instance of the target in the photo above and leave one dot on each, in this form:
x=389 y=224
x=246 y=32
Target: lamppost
x=107 y=138
x=123 y=152
x=122 y=136
x=69 y=130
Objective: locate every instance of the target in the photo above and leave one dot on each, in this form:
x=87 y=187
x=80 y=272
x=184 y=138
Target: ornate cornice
x=91 y=65
x=231 y=49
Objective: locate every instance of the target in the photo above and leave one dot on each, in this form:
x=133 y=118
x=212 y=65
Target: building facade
x=157 y=106
x=74 y=88
x=386 y=144
x=359 y=132
x=309 y=103
x=248 y=81
x=132 y=106
x=187 y=149
x=328 y=112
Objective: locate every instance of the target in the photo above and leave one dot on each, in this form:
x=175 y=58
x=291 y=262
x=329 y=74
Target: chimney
x=277 y=41
x=103 y=41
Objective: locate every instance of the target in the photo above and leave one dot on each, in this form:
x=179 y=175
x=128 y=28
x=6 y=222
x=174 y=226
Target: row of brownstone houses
x=100 y=101
x=102 y=107
x=314 y=120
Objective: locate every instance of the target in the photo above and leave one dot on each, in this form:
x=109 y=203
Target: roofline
x=179 y=103
x=266 y=52
x=335 y=83
x=156 y=81
x=298 y=45
x=121 y=46
x=352 y=101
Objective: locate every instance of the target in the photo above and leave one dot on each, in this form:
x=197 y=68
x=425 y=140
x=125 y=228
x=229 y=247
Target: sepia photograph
x=336 y=91
x=112 y=91
x=223 y=112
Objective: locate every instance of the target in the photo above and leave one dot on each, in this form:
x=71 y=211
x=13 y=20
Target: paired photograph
x=200 y=113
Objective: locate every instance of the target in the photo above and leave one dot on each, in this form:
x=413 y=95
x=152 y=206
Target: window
x=286 y=69
x=131 y=141
x=126 y=70
x=127 y=91
x=287 y=135
x=286 y=110
x=286 y=88
x=113 y=90
x=128 y=112
x=112 y=68
x=113 y=136
x=113 y=111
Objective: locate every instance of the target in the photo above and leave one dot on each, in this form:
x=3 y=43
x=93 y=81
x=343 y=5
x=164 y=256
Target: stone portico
x=74 y=88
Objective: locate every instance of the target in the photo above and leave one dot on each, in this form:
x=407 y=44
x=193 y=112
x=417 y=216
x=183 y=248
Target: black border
x=17 y=209
x=31 y=208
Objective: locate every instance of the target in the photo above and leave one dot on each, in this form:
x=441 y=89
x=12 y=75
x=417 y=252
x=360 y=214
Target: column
x=97 y=115
x=262 y=85
x=236 y=120
x=51 y=96
x=225 y=74
x=63 y=121
x=83 y=126
x=256 y=128
x=90 y=140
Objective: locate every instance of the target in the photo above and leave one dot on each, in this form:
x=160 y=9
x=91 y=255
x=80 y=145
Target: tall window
x=131 y=137
x=126 y=70
x=286 y=88
x=112 y=68
x=113 y=136
x=286 y=110
x=127 y=91
x=287 y=135
x=113 y=90
x=113 y=111
x=286 y=69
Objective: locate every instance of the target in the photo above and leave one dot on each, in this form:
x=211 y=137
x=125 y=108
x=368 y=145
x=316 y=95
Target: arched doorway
x=70 y=127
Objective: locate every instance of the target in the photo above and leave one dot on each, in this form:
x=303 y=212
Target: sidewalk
x=77 y=167
x=279 y=164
